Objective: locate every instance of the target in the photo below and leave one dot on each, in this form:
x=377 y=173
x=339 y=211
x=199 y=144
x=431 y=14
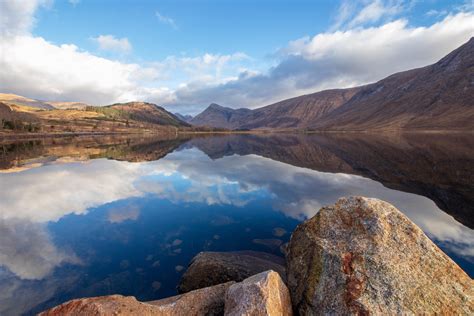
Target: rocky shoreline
x=360 y=256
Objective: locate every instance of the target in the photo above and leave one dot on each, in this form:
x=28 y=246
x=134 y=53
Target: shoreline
x=22 y=136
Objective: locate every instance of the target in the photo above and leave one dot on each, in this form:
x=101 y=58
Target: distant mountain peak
x=216 y=115
x=183 y=117
x=215 y=106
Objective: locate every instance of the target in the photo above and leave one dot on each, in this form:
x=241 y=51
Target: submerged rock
x=211 y=268
x=271 y=243
x=278 y=231
x=206 y=301
x=264 y=294
x=363 y=256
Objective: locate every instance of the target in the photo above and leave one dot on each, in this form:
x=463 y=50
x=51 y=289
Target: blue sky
x=219 y=27
x=257 y=28
x=187 y=54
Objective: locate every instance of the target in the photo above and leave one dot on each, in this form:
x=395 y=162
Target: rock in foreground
x=101 y=306
x=264 y=294
x=363 y=256
x=206 y=301
x=211 y=268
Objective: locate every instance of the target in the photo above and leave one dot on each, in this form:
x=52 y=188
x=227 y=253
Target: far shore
x=21 y=136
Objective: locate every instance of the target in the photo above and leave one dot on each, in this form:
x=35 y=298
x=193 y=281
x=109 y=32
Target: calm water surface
x=95 y=216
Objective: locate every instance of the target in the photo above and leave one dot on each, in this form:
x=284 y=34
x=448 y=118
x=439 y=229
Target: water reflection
x=74 y=223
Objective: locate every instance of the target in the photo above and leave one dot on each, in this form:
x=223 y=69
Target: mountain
x=435 y=97
x=185 y=118
x=19 y=100
x=221 y=117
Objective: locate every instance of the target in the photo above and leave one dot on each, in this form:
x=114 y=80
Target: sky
x=184 y=55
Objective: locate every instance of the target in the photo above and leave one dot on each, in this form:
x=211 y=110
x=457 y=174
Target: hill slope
x=19 y=100
x=436 y=97
x=141 y=112
x=299 y=112
x=117 y=118
x=69 y=105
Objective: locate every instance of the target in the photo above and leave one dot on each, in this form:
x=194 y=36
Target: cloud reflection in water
x=191 y=176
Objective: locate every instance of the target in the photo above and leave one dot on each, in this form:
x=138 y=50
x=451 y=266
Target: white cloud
x=374 y=11
x=207 y=70
x=111 y=43
x=74 y=2
x=32 y=66
x=359 y=13
x=17 y=17
x=166 y=20
x=436 y=12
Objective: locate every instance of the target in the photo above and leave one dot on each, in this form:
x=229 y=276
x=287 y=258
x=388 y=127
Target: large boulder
x=211 y=268
x=363 y=256
x=264 y=294
x=206 y=301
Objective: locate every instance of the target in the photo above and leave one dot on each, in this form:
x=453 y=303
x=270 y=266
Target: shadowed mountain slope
x=436 y=97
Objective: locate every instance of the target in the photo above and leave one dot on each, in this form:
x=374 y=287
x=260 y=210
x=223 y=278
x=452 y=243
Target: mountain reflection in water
x=75 y=224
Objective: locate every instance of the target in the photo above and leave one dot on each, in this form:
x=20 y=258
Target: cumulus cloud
x=111 y=43
x=17 y=17
x=63 y=72
x=166 y=20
